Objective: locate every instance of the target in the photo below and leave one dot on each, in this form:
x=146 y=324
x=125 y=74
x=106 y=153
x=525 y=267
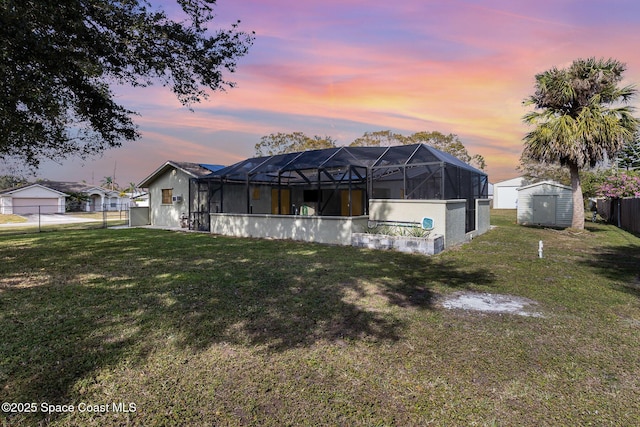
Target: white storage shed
x=545 y=203
x=505 y=193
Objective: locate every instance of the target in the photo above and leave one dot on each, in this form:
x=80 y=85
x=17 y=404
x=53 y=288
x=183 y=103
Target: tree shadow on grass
x=75 y=303
x=620 y=264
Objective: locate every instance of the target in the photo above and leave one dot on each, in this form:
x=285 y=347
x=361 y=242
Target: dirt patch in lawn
x=491 y=303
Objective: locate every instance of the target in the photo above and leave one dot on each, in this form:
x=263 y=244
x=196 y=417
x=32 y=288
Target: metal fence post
x=619 y=213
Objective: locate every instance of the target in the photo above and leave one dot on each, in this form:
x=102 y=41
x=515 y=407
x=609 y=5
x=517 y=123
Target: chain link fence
x=41 y=218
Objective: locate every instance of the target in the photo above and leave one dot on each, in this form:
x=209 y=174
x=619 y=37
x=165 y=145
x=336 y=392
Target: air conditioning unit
x=177 y=199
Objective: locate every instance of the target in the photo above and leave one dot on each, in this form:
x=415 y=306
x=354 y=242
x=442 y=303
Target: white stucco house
x=505 y=193
x=323 y=196
x=95 y=198
x=168 y=192
x=32 y=199
x=102 y=199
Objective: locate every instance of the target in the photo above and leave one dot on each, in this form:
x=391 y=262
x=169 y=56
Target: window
x=310 y=196
x=167 y=193
x=256 y=193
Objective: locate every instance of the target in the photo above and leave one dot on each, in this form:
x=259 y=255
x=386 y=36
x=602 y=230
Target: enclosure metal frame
x=343 y=168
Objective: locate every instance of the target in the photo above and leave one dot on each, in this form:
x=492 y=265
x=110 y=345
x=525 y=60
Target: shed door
x=24 y=206
x=544 y=209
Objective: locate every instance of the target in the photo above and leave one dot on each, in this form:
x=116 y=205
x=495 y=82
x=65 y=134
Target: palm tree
x=581 y=118
x=107 y=182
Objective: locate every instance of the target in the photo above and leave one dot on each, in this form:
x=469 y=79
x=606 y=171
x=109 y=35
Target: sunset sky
x=342 y=68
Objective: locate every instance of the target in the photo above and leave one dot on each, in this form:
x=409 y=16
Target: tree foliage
x=626 y=184
x=76 y=201
x=580 y=119
x=59 y=60
x=535 y=171
x=629 y=157
x=109 y=183
x=590 y=179
x=10 y=181
x=280 y=143
x=381 y=138
x=447 y=143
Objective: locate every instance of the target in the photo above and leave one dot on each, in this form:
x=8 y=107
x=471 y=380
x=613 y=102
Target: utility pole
x=113 y=182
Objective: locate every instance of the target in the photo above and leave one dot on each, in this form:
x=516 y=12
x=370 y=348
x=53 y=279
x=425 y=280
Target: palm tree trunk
x=578 y=201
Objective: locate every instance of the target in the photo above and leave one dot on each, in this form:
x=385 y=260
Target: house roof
x=552 y=183
x=212 y=168
x=75 y=187
x=195 y=170
x=513 y=182
x=14 y=190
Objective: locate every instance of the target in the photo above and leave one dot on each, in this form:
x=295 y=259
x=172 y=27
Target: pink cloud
x=353 y=66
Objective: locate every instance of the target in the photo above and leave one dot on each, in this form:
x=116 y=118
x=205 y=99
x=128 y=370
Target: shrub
x=626 y=184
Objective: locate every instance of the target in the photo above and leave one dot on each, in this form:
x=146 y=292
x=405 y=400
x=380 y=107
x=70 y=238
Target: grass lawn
x=11 y=219
x=90 y=220
x=195 y=329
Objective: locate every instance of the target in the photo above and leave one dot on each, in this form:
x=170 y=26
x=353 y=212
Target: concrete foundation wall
x=448 y=220
x=320 y=229
x=483 y=216
x=448 y=215
x=431 y=245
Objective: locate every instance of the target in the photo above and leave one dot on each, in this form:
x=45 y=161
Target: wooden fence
x=625 y=213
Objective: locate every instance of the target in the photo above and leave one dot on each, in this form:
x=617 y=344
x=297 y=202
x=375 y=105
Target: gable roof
x=513 y=182
x=14 y=190
x=552 y=183
x=75 y=187
x=195 y=170
x=212 y=168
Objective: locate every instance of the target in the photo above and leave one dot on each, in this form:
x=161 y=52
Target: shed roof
x=537 y=184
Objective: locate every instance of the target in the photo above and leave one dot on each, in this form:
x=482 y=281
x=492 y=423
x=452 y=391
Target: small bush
x=397 y=230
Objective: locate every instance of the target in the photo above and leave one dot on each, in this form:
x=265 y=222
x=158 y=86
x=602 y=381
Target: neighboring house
x=545 y=203
x=505 y=193
x=94 y=199
x=138 y=198
x=490 y=191
x=30 y=199
x=168 y=190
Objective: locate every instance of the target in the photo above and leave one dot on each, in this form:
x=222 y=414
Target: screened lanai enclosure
x=335 y=182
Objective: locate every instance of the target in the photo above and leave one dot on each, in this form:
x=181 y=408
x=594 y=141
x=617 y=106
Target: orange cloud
x=341 y=68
